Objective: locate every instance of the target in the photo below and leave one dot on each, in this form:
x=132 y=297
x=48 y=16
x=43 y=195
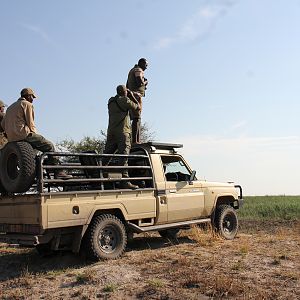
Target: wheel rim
x=108 y=239
x=229 y=223
x=13 y=167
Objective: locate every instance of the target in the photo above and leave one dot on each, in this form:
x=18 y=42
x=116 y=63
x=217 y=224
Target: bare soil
x=262 y=262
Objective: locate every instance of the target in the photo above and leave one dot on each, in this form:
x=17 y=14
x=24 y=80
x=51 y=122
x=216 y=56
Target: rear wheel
x=17 y=170
x=106 y=237
x=226 y=222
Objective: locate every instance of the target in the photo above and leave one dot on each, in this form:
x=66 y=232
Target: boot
x=61 y=174
x=128 y=185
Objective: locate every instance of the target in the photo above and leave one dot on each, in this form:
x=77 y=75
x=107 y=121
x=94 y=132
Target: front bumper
x=240 y=197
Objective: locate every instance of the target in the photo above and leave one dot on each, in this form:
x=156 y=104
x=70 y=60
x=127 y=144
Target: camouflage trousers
x=120 y=142
x=136 y=121
x=38 y=142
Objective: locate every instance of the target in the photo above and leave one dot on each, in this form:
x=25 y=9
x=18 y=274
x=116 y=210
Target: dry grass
x=87 y=276
x=261 y=263
x=204 y=236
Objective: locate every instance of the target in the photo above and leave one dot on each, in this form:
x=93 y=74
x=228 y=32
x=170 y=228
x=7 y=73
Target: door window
x=175 y=169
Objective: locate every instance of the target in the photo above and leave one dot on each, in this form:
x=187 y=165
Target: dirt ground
x=263 y=262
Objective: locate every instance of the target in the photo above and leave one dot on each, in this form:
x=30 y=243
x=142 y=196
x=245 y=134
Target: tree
x=90 y=143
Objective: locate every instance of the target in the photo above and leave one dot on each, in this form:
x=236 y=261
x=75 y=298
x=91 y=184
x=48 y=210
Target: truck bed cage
x=93 y=171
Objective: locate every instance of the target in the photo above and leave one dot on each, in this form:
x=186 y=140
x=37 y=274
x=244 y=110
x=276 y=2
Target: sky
x=223 y=77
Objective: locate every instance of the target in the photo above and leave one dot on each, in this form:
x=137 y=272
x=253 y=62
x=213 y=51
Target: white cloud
x=262 y=165
x=39 y=32
x=239 y=125
x=198 y=25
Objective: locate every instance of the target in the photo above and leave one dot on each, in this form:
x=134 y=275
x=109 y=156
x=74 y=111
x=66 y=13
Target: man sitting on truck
x=3 y=139
x=119 y=128
x=18 y=124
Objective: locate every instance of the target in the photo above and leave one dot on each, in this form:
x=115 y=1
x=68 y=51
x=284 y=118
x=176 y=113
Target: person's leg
x=124 y=146
x=136 y=130
x=38 y=142
x=110 y=147
x=136 y=122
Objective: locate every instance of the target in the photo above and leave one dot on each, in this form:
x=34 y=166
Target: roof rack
x=159 y=145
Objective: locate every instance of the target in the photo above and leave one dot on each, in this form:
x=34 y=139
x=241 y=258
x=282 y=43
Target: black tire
x=106 y=238
x=169 y=233
x=226 y=222
x=18 y=167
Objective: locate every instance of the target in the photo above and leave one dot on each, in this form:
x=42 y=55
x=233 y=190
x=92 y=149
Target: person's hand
x=129 y=93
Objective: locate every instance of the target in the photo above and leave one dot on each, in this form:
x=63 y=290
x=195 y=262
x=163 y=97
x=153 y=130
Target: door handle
x=173 y=191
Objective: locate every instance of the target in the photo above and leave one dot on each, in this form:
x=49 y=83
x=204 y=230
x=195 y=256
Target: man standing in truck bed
x=18 y=124
x=137 y=83
x=119 y=129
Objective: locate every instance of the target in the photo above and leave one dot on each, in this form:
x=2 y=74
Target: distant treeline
x=286 y=208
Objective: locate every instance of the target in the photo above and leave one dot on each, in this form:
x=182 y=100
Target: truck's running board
x=139 y=229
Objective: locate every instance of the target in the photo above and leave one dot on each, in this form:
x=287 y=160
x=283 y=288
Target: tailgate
x=20 y=209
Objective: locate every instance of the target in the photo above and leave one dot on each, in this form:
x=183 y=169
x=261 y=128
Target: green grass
x=284 y=208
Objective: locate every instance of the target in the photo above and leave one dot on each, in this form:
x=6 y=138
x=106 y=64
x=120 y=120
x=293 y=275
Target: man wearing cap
x=19 y=125
x=119 y=128
x=3 y=139
x=137 y=83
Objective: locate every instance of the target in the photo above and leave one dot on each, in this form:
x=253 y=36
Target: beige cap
x=27 y=91
x=2 y=104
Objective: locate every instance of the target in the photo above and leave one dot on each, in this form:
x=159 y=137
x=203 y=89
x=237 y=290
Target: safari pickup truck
x=92 y=213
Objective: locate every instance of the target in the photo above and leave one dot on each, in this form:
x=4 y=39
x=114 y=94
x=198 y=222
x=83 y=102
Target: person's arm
x=131 y=96
x=29 y=117
x=127 y=103
x=139 y=78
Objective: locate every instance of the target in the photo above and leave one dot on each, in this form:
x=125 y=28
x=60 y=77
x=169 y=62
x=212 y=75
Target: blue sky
x=223 y=77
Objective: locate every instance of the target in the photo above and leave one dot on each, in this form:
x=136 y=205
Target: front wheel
x=106 y=237
x=226 y=222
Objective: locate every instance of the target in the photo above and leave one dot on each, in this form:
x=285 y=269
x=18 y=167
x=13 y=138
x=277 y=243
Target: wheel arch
x=223 y=200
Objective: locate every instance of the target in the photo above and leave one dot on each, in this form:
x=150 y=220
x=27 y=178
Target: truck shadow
x=140 y=243
x=27 y=262
x=21 y=262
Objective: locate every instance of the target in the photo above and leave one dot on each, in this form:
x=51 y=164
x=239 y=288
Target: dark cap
x=142 y=60
x=121 y=89
x=27 y=91
x=143 y=63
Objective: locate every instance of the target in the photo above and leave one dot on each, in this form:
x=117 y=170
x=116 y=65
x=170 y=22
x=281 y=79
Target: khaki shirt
x=118 y=111
x=131 y=84
x=19 y=120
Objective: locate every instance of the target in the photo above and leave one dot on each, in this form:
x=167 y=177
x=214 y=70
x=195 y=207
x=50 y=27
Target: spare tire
x=17 y=171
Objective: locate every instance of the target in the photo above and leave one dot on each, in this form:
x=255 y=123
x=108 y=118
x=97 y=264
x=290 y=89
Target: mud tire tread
x=221 y=212
x=27 y=172
x=92 y=249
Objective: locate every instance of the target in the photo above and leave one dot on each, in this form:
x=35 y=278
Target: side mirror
x=193 y=176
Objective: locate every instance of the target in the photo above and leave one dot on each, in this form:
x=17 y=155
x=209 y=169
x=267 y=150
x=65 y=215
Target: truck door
x=184 y=200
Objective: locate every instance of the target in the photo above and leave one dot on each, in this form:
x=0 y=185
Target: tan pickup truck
x=92 y=213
